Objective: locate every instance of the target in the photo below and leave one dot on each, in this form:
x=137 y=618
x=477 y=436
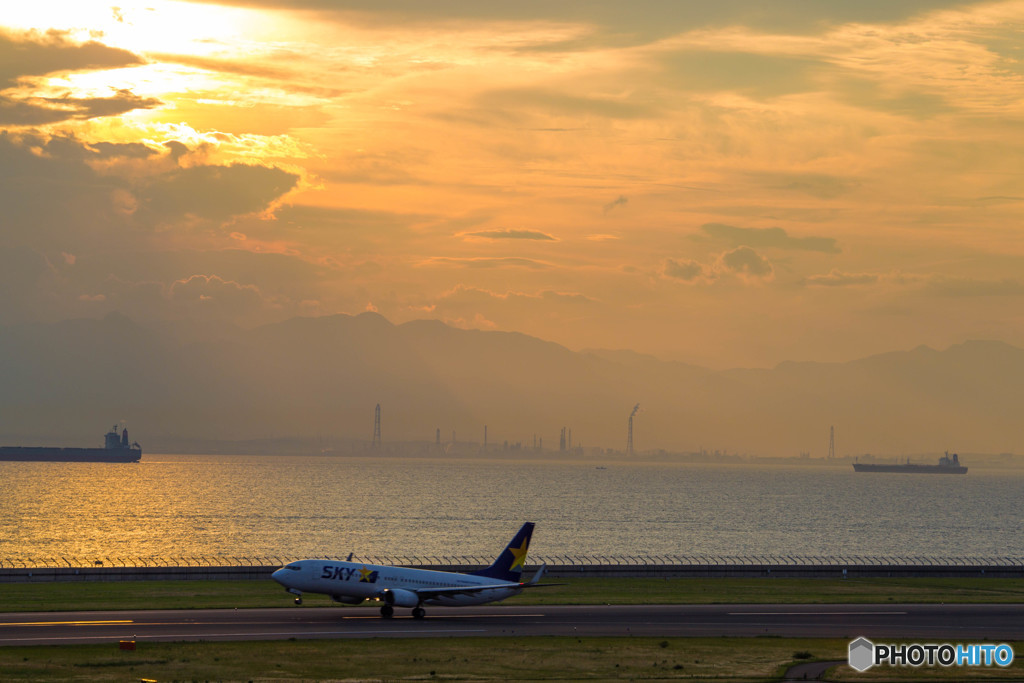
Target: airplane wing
x=461 y=590
x=427 y=593
x=469 y=590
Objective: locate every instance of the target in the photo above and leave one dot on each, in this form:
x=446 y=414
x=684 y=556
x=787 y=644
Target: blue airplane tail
x=509 y=565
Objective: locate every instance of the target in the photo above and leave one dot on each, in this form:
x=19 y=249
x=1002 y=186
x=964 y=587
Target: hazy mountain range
x=66 y=383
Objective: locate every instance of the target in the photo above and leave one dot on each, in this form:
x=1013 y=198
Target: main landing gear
x=387 y=611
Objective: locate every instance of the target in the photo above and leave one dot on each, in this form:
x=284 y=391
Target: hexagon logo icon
x=862 y=654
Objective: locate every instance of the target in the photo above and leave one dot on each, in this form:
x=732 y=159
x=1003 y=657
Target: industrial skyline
x=323 y=377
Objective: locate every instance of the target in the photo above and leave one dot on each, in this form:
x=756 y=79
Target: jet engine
x=398 y=597
x=346 y=599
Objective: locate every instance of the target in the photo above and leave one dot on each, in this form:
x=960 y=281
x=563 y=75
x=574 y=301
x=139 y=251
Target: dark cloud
x=177 y=149
x=54 y=199
x=38 y=54
x=215 y=192
x=745 y=261
x=32 y=54
x=37 y=111
x=687 y=271
x=769 y=237
x=92 y=107
x=511 y=235
x=621 y=200
x=25 y=113
x=125 y=150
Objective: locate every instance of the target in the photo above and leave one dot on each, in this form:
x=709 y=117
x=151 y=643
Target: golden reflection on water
x=289 y=507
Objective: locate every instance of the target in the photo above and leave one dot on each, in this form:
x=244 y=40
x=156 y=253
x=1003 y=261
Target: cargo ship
x=116 y=449
x=947 y=465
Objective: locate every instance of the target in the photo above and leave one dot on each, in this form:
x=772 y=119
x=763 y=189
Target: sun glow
x=141 y=27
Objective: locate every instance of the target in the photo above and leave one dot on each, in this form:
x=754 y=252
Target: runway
x=948 y=623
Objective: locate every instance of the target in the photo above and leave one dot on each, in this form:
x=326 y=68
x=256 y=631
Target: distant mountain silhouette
x=66 y=383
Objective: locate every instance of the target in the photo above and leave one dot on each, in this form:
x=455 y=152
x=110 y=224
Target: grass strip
x=102 y=595
x=452 y=659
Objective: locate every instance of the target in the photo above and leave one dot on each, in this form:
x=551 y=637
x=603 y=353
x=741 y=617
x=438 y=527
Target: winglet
x=540 y=573
x=509 y=565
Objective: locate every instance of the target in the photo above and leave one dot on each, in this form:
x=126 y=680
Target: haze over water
x=292 y=507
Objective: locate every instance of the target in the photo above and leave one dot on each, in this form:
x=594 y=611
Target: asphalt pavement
x=931 y=623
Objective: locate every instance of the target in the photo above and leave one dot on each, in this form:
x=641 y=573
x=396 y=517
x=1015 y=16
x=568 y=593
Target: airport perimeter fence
x=222 y=568
x=442 y=561
x=469 y=561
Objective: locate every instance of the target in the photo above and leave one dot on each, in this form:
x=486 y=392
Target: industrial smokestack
x=629 y=434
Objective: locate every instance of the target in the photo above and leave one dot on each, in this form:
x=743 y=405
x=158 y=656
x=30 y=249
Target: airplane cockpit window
x=293 y=567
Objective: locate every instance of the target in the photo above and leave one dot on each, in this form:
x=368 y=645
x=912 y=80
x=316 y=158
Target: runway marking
x=66 y=623
x=455 y=616
x=748 y=614
x=283 y=634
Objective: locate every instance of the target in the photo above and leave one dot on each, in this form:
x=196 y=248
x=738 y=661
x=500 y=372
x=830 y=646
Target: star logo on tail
x=518 y=555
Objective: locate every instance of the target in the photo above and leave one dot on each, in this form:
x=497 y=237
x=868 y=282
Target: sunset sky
x=729 y=183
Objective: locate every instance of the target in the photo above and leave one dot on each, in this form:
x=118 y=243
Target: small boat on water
x=947 y=465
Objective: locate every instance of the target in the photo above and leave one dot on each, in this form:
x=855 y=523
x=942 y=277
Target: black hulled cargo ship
x=116 y=449
x=947 y=465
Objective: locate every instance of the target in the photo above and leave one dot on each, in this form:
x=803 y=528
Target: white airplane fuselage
x=353 y=582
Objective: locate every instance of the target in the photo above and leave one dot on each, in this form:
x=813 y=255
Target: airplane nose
x=279 y=576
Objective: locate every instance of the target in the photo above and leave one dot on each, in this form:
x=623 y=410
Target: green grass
x=450 y=659
x=93 y=595
x=428 y=659
x=421 y=659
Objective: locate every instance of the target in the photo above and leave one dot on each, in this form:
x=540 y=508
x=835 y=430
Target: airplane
x=353 y=582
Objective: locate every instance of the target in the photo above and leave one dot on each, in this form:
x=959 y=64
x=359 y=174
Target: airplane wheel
x=298 y=601
x=387 y=611
x=419 y=613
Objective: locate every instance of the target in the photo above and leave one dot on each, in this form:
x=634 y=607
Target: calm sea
x=291 y=507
